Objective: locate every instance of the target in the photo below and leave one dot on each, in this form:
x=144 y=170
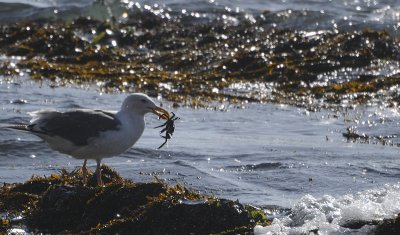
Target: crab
x=169 y=128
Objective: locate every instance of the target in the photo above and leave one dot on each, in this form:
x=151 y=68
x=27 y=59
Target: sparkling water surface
x=296 y=14
x=262 y=154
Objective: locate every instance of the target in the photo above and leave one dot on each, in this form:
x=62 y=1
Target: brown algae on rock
x=61 y=204
x=194 y=63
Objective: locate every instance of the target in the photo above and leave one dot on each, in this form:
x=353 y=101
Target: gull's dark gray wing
x=77 y=126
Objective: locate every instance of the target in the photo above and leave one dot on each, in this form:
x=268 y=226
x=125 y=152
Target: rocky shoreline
x=194 y=63
x=61 y=204
x=189 y=62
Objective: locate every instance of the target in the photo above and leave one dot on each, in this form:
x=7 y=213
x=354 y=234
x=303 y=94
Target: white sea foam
x=330 y=215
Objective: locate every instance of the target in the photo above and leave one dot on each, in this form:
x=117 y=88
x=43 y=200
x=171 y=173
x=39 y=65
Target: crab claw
x=161 y=113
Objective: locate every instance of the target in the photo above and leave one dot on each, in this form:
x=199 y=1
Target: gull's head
x=141 y=104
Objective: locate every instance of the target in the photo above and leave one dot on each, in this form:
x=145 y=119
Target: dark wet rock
x=352 y=135
x=388 y=226
x=19 y=101
x=199 y=218
x=60 y=208
x=380 y=227
x=357 y=224
x=61 y=204
x=15 y=202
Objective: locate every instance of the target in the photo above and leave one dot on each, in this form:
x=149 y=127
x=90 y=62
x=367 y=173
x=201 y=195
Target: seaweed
x=196 y=64
x=61 y=204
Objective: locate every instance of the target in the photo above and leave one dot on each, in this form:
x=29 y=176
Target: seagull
x=93 y=134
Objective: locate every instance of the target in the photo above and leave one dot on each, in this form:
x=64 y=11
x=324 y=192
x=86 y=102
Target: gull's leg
x=98 y=173
x=84 y=172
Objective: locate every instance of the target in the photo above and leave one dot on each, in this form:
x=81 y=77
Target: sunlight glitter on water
x=376 y=68
x=260 y=154
x=249 y=89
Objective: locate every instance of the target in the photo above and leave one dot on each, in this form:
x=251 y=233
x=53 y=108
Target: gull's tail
x=21 y=127
x=24 y=127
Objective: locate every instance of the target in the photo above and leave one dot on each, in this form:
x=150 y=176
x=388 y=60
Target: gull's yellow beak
x=161 y=113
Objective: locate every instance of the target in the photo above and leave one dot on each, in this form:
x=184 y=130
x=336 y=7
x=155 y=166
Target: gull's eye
x=143 y=101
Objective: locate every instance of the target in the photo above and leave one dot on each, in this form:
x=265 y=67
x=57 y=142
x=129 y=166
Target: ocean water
x=266 y=155
x=294 y=163
x=309 y=14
